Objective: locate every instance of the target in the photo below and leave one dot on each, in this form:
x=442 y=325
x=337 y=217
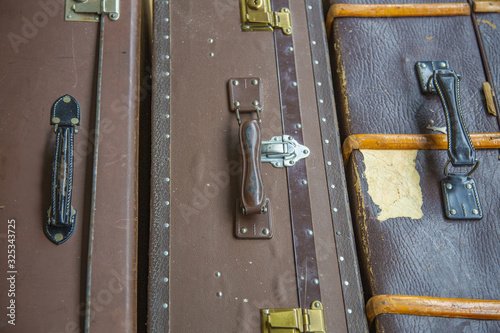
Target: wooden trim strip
x=395 y=10
x=412 y=141
x=432 y=306
x=486 y=6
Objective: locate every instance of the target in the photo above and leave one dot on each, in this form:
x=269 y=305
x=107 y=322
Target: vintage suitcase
x=289 y=264
x=426 y=229
x=49 y=72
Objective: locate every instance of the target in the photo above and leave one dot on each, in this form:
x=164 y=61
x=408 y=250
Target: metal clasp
x=283 y=151
x=90 y=10
x=256 y=15
x=294 y=320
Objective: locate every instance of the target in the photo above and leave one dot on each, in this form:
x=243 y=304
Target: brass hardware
x=257 y=15
x=294 y=320
x=489 y=94
x=90 y=10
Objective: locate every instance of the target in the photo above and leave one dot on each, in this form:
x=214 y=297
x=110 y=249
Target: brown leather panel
x=57 y=58
x=430 y=256
x=205 y=178
x=374 y=73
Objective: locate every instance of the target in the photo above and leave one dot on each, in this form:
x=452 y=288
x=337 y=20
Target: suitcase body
x=44 y=57
x=204 y=276
x=407 y=244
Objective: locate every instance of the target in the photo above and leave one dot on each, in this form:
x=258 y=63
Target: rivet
x=309 y=7
x=335 y=210
x=315 y=281
x=235 y=82
x=165 y=253
x=332 y=186
x=165 y=279
x=349 y=311
x=245 y=300
x=255 y=103
x=323 y=120
x=341 y=258
x=313 y=42
x=321 y=101
x=236 y=103
x=167 y=203
x=302 y=278
x=265 y=231
x=167 y=180
x=165 y=305
x=306 y=151
x=218 y=274
x=309 y=232
x=254 y=82
x=167 y=97
x=338 y=233
x=219 y=294
x=292 y=162
x=327 y=141
x=298 y=126
x=166 y=225
x=290 y=48
x=166 y=19
x=448 y=186
x=475 y=212
x=316 y=62
x=212 y=54
x=442 y=64
x=294 y=83
x=66 y=99
x=468 y=186
x=167 y=36
x=243 y=230
x=58 y=237
x=329 y=163
x=266 y=311
x=286 y=10
x=289 y=137
x=167 y=116
x=317 y=304
x=423 y=65
x=166 y=2
x=384 y=302
x=346 y=283
x=210 y=40
x=167 y=56
x=453 y=212
x=69 y=16
x=319 y=84
x=167 y=73
x=304 y=181
x=288 y=30
x=167 y=136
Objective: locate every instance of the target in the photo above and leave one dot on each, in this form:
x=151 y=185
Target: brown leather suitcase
x=425 y=213
x=217 y=264
x=46 y=56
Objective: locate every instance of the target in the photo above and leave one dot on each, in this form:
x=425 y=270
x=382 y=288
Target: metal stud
x=167 y=97
x=212 y=54
x=349 y=311
x=265 y=231
x=315 y=281
x=165 y=305
x=323 y=120
x=338 y=233
x=256 y=103
x=341 y=258
x=332 y=186
x=329 y=163
x=313 y=42
x=219 y=294
x=327 y=141
x=335 y=210
x=255 y=82
x=298 y=126
x=167 y=180
x=210 y=40
x=442 y=64
x=453 y=212
x=321 y=101
x=294 y=83
x=165 y=279
x=236 y=103
x=166 y=225
x=475 y=212
x=243 y=230
x=346 y=283
x=290 y=48
x=468 y=186
x=218 y=274
x=235 y=82
x=423 y=65
x=309 y=232
x=304 y=181
x=317 y=304
x=319 y=84
x=165 y=253
x=449 y=186
x=167 y=203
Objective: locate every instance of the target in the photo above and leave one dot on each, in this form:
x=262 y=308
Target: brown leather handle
x=253 y=198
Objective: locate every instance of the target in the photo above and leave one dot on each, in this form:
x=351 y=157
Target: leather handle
x=60 y=221
x=253 y=198
x=460 y=148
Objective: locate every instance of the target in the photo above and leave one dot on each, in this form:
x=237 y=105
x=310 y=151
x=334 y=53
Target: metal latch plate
x=245 y=95
x=257 y=15
x=294 y=320
x=425 y=70
x=283 y=151
x=460 y=198
x=90 y=10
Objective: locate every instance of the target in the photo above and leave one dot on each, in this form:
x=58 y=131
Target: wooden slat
x=432 y=306
x=395 y=10
x=412 y=141
x=486 y=6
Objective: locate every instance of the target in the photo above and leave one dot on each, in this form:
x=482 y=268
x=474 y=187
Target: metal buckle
x=283 y=151
x=294 y=320
x=257 y=15
x=90 y=10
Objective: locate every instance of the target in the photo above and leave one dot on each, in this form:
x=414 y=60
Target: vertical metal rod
x=94 y=177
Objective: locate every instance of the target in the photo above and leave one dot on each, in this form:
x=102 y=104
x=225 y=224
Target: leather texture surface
x=56 y=58
x=377 y=92
x=201 y=159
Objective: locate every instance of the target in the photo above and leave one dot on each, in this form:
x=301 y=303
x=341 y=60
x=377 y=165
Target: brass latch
x=257 y=15
x=294 y=320
x=90 y=10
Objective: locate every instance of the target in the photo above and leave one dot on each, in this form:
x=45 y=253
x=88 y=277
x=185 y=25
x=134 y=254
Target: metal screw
x=286 y=10
x=423 y=65
x=468 y=186
x=453 y=212
x=254 y=82
x=448 y=186
x=265 y=231
x=236 y=103
x=114 y=16
x=243 y=230
x=306 y=151
x=309 y=232
x=316 y=281
x=255 y=103
x=292 y=162
x=475 y=212
x=289 y=137
x=219 y=294
x=235 y=82
x=304 y=182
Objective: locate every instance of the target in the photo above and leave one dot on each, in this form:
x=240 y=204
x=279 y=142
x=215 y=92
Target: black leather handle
x=460 y=148
x=60 y=221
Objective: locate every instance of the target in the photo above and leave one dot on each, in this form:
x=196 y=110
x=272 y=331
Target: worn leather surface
x=205 y=178
x=377 y=92
x=58 y=58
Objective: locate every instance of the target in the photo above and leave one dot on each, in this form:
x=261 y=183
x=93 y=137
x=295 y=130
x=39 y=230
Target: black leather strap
x=60 y=220
x=460 y=148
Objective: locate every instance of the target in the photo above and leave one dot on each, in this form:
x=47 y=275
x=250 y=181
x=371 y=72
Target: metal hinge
x=283 y=151
x=257 y=15
x=90 y=10
x=294 y=320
